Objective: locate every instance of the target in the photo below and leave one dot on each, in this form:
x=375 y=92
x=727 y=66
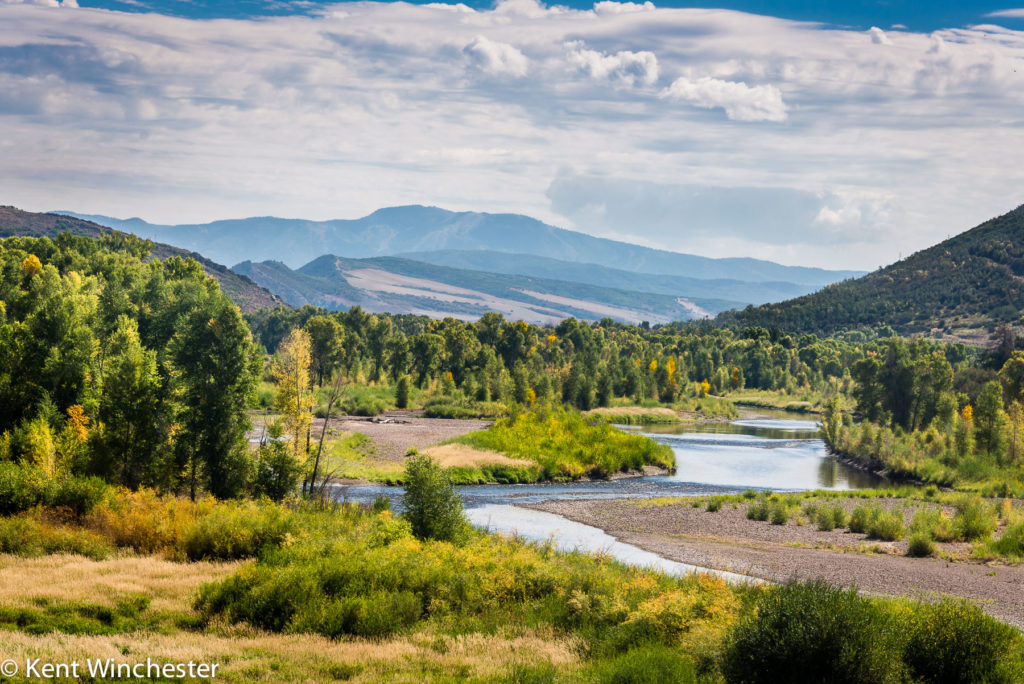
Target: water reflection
x=772 y=453
x=711 y=458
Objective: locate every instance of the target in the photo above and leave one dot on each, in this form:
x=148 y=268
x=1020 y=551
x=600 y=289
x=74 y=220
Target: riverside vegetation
x=125 y=386
x=426 y=587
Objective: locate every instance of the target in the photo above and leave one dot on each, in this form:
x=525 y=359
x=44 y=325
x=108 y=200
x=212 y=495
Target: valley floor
x=727 y=540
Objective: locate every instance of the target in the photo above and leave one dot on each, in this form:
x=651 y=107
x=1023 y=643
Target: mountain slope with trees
x=248 y=295
x=963 y=287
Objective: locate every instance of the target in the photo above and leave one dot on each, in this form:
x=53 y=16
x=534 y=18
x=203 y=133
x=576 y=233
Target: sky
x=840 y=135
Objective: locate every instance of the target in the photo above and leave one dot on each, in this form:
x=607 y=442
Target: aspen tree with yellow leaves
x=294 y=394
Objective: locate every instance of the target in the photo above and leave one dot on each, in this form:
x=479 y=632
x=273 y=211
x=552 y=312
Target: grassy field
x=299 y=593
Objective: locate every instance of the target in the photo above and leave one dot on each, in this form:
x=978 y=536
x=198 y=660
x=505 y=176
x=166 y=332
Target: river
x=770 y=451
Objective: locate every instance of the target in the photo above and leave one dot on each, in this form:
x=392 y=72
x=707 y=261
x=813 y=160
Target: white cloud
x=372 y=104
x=611 y=7
x=1008 y=13
x=623 y=67
x=497 y=58
x=878 y=36
x=740 y=101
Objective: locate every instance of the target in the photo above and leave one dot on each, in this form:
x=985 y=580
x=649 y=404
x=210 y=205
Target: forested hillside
x=243 y=291
x=964 y=286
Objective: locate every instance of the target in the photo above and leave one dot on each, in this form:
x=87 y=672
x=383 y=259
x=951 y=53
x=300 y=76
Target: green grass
x=129 y=614
x=352 y=457
x=567 y=446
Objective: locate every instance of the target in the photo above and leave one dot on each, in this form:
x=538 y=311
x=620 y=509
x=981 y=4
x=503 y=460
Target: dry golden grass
x=464 y=456
x=248 y=655
x=660 y=412
x=171 y=586
x=244 y=654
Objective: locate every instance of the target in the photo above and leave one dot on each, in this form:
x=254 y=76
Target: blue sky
x=740 y=130
x=915 y=15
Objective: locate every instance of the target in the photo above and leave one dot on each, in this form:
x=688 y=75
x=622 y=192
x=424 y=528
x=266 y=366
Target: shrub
x=860 y=518
x=1011 y=543
x=954 y=642
x=78 y=494
x=567 y=447
x=237 y=530
x=974 y=520
x=934 y=523
x=365 y=406
x=25 y=536
x=877 y=523
x=779 y=513
x=21 y=488
x=715 y=504
x=277 y=470
x=920 y=544
x=145 y=521
x=758 y=510
x=811 y=632
x=886 y=526
x=431 y=505
x=830 y=517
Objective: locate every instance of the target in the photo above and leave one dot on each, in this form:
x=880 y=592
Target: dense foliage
x=918 y=425
x=969 y=281
x=111 y=364
x=568 y=447
x=583 y=365
x=817 y=633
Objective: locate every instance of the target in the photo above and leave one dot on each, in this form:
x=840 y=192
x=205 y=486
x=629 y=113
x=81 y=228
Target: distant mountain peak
x=419 y=228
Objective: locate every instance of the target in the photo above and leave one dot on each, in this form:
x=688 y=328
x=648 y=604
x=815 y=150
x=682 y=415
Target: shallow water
x=770 y=453
x=567 y=535
x=779 y=453
x=715 y=458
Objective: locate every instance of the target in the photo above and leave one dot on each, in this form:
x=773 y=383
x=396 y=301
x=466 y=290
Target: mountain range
x=468 y=262
x=961 y=288
x=404 y=286
x=410 y=230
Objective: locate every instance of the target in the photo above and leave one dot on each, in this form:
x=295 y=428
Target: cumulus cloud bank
x=497 y=58
x=624 y=66
x=740 y=101
x=828 y=137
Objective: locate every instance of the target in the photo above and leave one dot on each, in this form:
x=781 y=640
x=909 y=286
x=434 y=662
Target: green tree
x=132 y=425
x=432 y=507
x=402 y=392
x=215 y=368
x=990 y=421
x=326 y=337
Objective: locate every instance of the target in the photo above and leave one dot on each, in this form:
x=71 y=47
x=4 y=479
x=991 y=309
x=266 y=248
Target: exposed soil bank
x=726 y=540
